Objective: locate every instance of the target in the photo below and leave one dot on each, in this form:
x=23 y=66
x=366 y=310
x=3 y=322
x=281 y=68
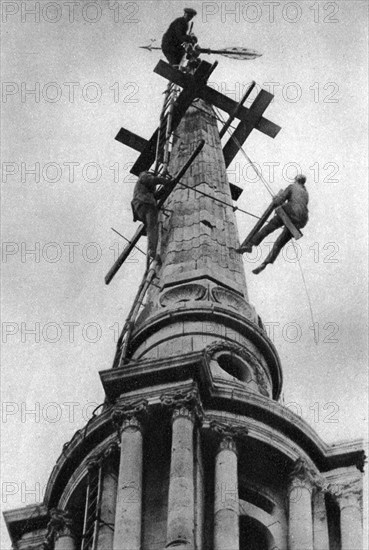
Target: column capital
x=347 y=493
x=129 y=415
x=186 y=403
x=93 y=463
x=98 y=459
x=304 y=475
x=60 y=525
x=229 y=434
x=110 y=450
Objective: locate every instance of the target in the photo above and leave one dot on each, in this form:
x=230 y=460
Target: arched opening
x=254 y=535
x=76 y=506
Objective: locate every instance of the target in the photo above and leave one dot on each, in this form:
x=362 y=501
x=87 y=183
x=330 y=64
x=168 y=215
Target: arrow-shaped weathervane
x=234 y=53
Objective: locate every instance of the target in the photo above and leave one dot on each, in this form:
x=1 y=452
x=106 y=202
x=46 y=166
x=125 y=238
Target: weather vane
x=243 y=54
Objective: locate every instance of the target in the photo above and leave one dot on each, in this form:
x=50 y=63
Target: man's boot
x=244 y=249
x=259 y=269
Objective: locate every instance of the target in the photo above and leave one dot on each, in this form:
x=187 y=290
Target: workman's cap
x=190 y=11
x=300 y=178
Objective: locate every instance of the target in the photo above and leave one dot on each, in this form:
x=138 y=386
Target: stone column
x=349 y=498
x=181 y=504
x=300 y=524
x=109 y=489
x=226 y=500
x=320 y=523
x=60 y=534
x=127 y=529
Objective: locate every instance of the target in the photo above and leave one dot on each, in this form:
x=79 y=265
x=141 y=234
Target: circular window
x=234 y=365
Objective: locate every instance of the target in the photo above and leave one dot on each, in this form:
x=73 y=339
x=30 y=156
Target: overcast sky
x=89 y=78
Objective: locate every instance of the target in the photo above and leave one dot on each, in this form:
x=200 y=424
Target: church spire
x=199 y=297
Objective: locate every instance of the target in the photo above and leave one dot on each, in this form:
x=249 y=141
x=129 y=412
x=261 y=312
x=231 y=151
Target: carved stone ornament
x=348 y=492
x=246 y=355
x=129 y=414
x=184 y=403
x=60 y=525
x=229 y=434
x=233 y=300
x=183 y=293
x=97 y=460
x=303 y=475
x=93 y=463
x=111 y=450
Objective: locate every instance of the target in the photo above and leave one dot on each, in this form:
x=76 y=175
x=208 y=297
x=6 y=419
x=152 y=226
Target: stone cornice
x=184 y=402
x=21 y=521
x=232 y=320
x=268 y=421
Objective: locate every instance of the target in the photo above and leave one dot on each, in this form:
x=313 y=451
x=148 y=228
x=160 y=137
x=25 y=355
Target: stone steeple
x=200 y=294
x=192 y=450
x=200 y=235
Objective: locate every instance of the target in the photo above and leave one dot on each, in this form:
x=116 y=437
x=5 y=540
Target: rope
x=293 y=240
x=215 y=115
x=306 y=291
x=234 y=208
x=128 y=241
x=260 y=176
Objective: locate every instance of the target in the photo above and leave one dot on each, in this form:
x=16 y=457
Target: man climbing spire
x=296 y=209
x=177 y=36
x=145 y=208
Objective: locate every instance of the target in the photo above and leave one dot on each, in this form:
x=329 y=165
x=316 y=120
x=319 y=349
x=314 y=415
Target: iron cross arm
x=220 y=100
x=147 y=148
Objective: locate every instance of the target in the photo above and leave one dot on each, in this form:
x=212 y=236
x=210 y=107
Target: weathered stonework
x=215 y=465
x=184 y=403
x=127 y=417
x=186 y=409
x=60 y=533
x=258 y=373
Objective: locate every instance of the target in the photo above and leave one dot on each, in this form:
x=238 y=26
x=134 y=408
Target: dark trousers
x=148 y=215
x=173 y=54
x=283 y=238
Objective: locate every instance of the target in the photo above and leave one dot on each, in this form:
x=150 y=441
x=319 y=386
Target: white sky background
x=323 y=54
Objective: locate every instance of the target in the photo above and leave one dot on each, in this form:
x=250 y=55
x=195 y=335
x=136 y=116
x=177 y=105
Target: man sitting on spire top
x=176 y=36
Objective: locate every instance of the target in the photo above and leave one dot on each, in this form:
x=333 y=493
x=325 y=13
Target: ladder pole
x=86 y=510
x=136 y=307
x=166 y=192
x=98 y=508
x=237 y=109
x=162 y=116
x=258 y=225
x=169 y=187
x=125 y=253
x=130 y=314
x=168 y=134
